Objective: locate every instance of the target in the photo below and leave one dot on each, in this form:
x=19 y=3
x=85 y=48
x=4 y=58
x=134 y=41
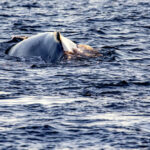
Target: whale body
x=50 y=46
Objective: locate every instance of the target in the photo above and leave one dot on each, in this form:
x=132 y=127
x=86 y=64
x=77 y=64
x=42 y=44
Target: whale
x=51 y=47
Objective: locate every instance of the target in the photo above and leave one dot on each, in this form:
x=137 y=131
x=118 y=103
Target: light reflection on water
x=42 y=100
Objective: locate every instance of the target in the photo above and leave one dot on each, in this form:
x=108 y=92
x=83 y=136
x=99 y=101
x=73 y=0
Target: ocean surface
x=88 y=104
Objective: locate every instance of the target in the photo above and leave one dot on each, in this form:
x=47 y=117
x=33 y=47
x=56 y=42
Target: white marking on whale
x=50 y=46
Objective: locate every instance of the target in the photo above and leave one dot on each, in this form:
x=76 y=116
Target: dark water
x=93 y=104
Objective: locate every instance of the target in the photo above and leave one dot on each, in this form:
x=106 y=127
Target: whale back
x=46 y=45
x=51 y=47
x=68 y=45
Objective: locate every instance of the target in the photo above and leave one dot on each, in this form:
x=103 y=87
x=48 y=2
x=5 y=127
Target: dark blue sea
x=86 y=104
